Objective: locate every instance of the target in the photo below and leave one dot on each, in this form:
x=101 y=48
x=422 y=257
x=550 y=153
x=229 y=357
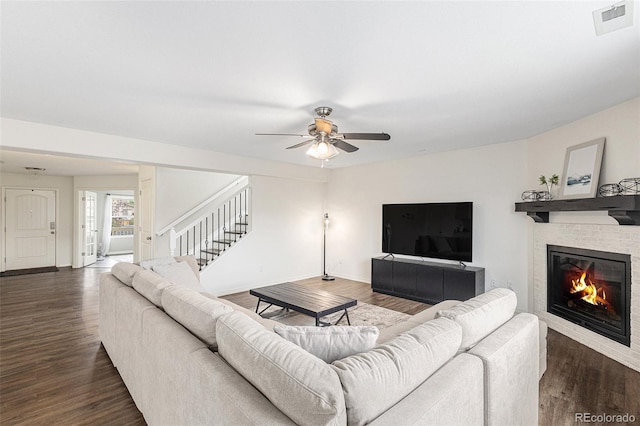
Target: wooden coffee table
x=311 y=302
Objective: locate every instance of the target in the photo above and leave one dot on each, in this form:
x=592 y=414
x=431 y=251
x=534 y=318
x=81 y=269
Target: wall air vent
x=614 y=17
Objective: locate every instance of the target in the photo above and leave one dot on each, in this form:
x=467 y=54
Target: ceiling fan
x=326 y=137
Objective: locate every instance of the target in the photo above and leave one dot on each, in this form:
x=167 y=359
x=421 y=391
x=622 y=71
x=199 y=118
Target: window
x=122 y=208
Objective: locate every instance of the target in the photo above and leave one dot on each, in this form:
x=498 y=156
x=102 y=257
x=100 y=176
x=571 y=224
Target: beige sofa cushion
x=125 y=272
x=302 y=386
x=195 y=312
x=481 y=315
x=428 y=314
x=376 y=380
x=150 y=285
x=330 y=343
x=269 y=324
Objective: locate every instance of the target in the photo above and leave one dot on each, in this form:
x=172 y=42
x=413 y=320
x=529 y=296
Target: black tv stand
x=428 y=282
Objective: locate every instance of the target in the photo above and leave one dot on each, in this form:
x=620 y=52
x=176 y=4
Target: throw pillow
x=178 y=273
x=149 y=264
x=330 y=343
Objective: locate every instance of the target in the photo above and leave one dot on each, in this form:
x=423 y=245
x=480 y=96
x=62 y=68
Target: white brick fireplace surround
x=610 y=238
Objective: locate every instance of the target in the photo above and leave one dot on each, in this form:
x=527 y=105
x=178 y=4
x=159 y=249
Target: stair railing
x=212 y=234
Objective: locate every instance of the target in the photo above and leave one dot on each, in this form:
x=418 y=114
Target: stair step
x=225 y=241
x=235 y=232
x=214 y=252
x=242 y=224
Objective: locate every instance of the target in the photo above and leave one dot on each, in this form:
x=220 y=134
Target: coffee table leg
x=347 y=315
x=258 y=306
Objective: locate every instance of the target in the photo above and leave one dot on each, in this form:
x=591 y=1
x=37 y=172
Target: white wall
x=182 y=190
x=492 y=177
x=285 y=242
x=64 y=206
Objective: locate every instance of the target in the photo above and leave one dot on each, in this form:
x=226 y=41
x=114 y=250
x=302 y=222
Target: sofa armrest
x=453 y=395
x=511 y=360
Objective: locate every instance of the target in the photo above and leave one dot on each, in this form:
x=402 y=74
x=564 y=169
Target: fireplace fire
x=590 y=288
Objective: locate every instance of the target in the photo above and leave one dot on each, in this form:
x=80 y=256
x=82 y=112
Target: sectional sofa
x=190 y=358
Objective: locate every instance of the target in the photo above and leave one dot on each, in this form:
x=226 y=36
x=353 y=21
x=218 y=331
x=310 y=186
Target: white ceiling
x=436 y=75
x=56 y=165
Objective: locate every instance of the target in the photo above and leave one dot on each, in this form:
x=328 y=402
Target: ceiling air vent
x=614 y=17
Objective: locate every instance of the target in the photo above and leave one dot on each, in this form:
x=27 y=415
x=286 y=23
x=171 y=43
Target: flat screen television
x=435 y=230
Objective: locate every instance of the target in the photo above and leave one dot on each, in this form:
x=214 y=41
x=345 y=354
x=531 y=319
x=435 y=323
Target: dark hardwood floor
x=53 y=369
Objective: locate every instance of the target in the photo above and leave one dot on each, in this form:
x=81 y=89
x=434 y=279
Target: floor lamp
x=325 y=277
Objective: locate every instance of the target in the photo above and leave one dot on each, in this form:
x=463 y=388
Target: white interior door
x=90 y=227
x=30 y=222
x=146 y=219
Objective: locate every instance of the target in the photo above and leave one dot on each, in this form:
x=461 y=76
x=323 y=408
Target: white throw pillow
x=330 y=343
x=149 y=264
x=179 y=273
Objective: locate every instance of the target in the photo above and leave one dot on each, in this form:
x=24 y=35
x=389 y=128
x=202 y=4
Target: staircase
x=213 y=234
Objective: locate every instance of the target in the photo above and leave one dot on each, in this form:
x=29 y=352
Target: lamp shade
x=322 y=150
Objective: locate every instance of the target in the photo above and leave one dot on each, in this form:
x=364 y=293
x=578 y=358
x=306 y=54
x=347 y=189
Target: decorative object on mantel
x=609 y=190
x=630 y=186
x=530 y=195
x=582 y=169
x=549 y=182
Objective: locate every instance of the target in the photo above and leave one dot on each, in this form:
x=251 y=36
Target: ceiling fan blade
x=298 y=145
x=346 y=147
x=367 y=136
x=281 y=134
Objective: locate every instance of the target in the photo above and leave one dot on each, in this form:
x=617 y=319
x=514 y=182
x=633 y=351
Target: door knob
x=148 y=238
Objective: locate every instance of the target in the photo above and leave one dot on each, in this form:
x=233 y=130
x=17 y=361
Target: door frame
x=86 y=231
x=3 y=230
x=78 y=219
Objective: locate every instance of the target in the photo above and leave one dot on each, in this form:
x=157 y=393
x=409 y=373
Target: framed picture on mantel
x=582 y=169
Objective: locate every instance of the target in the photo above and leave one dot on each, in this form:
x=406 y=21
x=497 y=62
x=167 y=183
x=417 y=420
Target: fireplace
x=590 y=288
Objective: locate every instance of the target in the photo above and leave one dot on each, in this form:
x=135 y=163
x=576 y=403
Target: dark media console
x=427 y=282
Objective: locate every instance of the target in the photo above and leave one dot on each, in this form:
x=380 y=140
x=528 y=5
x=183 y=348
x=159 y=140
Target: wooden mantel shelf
x=623 y=208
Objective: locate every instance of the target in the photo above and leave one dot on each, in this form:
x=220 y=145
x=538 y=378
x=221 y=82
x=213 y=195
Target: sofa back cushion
x=376 y=380
x=150 y=285
x=125 y=271
x=330 y=343
x=481 y=315
x=195 y=312
x=302 y=386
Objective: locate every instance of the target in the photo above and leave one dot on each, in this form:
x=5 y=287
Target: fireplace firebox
x=590 y=288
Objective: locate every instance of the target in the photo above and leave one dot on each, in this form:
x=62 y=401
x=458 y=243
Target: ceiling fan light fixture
x=322 y=150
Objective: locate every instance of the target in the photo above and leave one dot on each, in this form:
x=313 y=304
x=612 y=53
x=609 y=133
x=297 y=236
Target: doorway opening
x=107 y=229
